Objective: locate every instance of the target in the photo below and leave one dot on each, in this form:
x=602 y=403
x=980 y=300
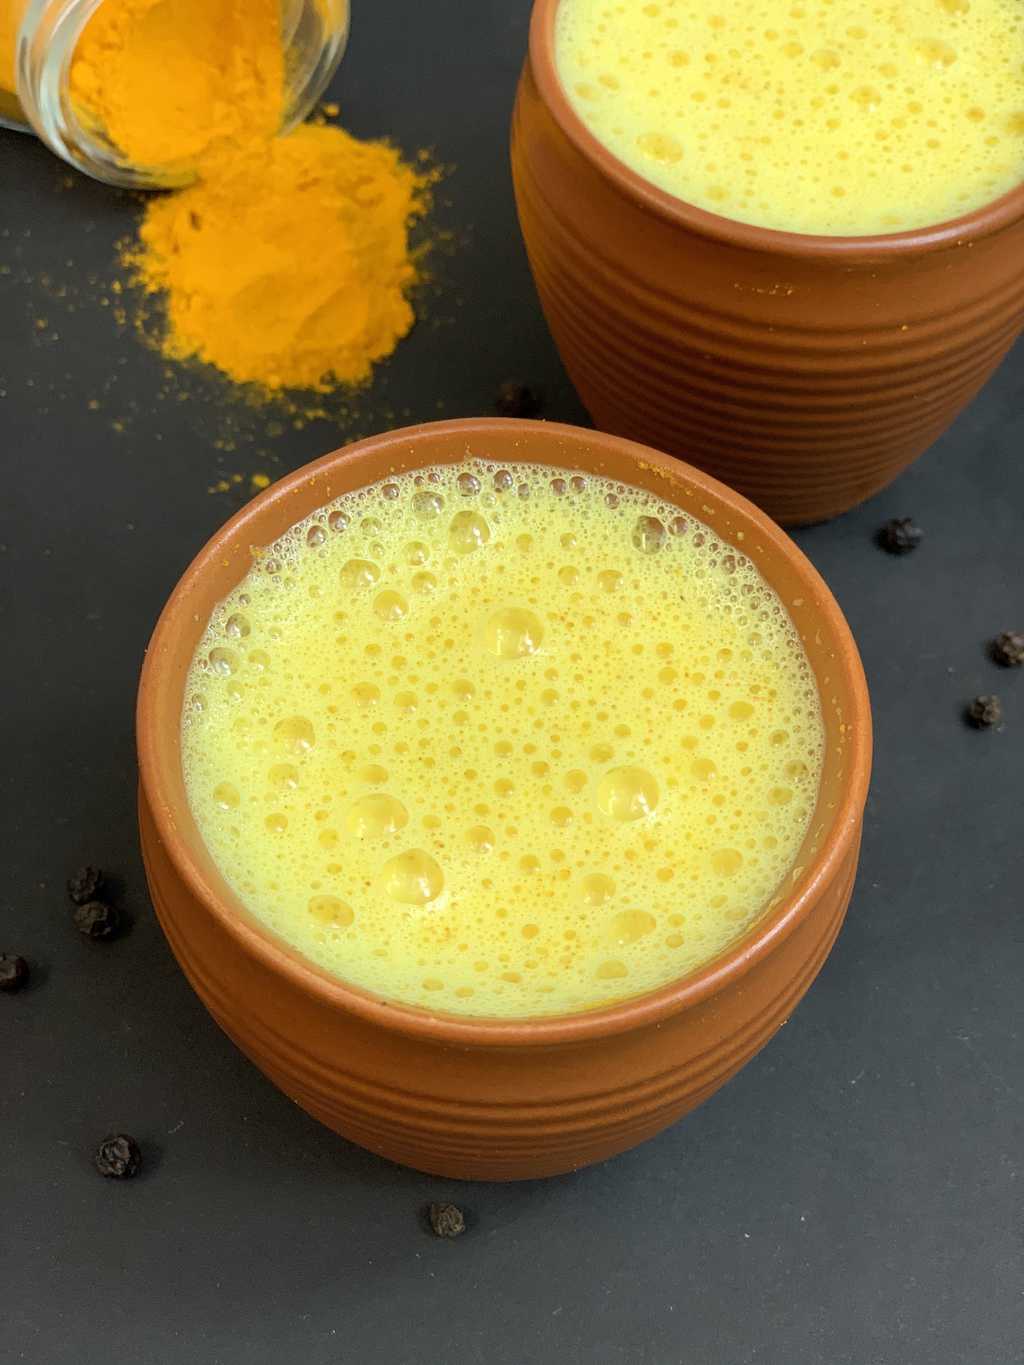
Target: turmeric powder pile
x=286 y=262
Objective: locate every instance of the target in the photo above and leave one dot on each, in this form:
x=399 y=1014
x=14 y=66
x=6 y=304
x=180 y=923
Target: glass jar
x=37 y=44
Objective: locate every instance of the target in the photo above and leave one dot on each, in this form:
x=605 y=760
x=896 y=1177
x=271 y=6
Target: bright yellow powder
x=10 y=22
x=286 y=263
x=167 y=80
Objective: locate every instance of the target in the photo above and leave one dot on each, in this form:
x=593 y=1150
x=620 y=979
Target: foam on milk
x=503 y=740
x=823 y=116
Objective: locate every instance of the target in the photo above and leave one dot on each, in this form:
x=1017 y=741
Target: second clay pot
x=488 y=1098
x=804 y=371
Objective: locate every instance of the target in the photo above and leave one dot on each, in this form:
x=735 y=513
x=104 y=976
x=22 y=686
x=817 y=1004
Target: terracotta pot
x=478 y=1098
x=805 y=371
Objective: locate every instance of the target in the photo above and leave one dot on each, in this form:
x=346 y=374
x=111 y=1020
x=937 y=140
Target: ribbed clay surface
x=492 y=1114
x=805 y=372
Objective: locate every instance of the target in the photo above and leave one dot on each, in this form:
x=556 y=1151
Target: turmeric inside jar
x=159 y=80
x=167 y=81
x=10 y=22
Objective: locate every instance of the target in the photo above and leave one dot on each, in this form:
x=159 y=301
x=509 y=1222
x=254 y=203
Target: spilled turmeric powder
x=286 y=263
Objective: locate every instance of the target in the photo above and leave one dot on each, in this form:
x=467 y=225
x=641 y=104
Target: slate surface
x=852 y=1198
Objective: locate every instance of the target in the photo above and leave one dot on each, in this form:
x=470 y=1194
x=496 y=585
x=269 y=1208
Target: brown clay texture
x=478 y=1098
x=804 y=371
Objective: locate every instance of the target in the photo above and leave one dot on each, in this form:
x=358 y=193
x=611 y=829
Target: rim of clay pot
x=467 y=1030
x=981 y=222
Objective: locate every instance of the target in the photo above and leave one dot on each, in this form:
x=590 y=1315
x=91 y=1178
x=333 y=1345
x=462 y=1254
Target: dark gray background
x=853 y=1196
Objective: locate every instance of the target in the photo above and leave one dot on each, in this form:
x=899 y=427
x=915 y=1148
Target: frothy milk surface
x=839 y=117
x=503 y=740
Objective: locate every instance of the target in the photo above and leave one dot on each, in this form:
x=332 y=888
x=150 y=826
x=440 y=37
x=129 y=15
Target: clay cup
x=804 y=371
x=472 y=1097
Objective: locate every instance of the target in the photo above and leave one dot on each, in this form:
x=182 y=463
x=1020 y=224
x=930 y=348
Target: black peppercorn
x=13 y=972
x=118 y=1157
x=984 y=712
x=900 y=536
x=97 y=920
x=85 y=884
x=1008 y=648
x=446 y=1220
x=519 y=400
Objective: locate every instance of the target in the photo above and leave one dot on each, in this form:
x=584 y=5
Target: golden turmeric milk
x=839 y=117
x=503 y=740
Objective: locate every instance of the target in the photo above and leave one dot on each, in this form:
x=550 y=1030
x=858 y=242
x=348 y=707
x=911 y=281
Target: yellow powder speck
x=259 y=482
